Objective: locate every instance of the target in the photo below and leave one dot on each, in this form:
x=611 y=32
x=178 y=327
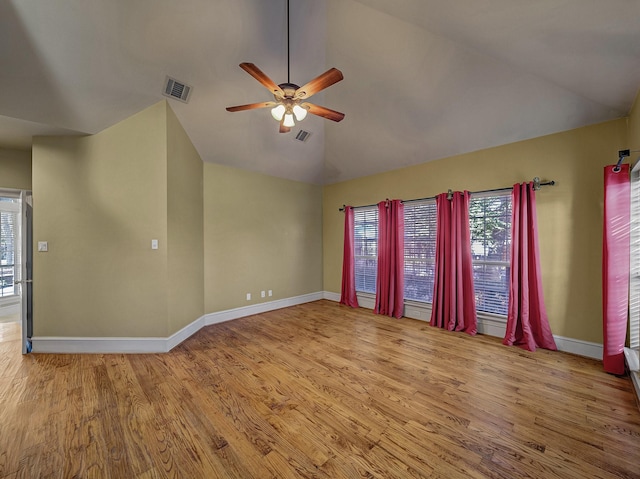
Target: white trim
x=331 y=296
x=579 y=347
x=71 y=345
x=9 y=309
x=55 y=345
x=633 y=362
x=487 y=324
x=186 y=332
x=229 y=314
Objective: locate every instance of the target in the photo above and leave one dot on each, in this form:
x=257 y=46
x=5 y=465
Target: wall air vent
x=303 y=135
x=176 y=89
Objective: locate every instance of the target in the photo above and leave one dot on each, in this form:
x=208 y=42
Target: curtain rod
x=537 y=184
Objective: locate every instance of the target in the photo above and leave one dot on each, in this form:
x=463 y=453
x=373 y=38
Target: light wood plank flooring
x=317 y=390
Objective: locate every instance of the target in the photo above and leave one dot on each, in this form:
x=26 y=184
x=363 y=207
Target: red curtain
x=454 y=305
x=615 y=266
x=348 y=295
x=390 y=280
x=527 y=321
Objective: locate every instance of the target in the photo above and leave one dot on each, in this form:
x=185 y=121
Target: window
x=365 y=236
x=9 y=262
x=419 y=250
x=490 y=223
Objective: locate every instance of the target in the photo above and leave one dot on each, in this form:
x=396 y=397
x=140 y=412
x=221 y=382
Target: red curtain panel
x=527 y=320
x=390 y=280
x=454 y=306
x=615 y=265
x=348 y=294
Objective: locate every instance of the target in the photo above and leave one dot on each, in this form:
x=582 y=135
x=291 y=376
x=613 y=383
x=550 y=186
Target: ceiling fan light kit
x=289 y=98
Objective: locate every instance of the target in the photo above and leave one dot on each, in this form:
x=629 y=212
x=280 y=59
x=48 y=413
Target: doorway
x=16 y=253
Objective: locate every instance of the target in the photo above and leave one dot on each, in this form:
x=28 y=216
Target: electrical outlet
x=43 y=246
x=270 y=293
x=262 y=294
x=248 y=296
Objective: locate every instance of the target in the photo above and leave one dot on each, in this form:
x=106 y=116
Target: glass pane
x=419 y=250
x=491 y=284
x=365 y=233
x=490 y=223
x=8 y=252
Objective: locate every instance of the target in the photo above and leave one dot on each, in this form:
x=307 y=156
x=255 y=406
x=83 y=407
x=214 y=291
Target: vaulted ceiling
x=424 y=79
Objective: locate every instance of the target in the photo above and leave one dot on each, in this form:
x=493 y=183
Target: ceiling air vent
x=176 y=89
x=303 y=135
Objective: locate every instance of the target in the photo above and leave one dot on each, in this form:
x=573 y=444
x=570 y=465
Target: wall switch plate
x=154 y=244
x=270 y=293
x=248 y=296
x=43 y=246
x=262 y=294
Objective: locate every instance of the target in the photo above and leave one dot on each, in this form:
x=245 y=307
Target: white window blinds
x=490 y=223
x=419 y=250
x=365 y=235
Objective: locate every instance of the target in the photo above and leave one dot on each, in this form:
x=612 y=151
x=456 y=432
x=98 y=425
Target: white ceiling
x=424 y=79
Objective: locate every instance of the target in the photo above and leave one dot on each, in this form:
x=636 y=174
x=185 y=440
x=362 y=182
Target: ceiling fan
x=289 y=98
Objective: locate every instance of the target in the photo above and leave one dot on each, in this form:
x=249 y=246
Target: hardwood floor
x=317 y=390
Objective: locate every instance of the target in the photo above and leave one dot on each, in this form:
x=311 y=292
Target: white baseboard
x=10 y=308
x=331 y=296
x=489 y=326
x=229 y=314
x=579 y=347
x=72 y=345
x=486 y=325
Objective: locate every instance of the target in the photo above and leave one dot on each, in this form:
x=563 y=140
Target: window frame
x=9 y=205
x=429 y=262
x=505 y=263
x=367 y=218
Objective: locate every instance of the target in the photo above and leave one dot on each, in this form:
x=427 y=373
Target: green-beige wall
x=15 y=169
x=569 y=214
x=185 y=222
x=99 y=201
x=261 y=233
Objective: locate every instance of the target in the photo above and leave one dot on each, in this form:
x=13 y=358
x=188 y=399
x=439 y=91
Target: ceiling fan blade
x=323 y=112
x=284 y=129
x=319 y=83
x=251 y=106
x=259 y=75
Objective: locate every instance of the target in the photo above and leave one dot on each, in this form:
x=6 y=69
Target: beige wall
x=634 y=130
x=15 y=169
x=569 y=214
x=261 y=233
x=185 y=227
x=98 y=201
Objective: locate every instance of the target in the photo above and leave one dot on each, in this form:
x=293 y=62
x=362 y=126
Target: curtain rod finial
x=536 y=183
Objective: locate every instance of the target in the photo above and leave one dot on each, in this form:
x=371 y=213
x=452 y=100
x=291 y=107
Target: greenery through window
x=490 y=223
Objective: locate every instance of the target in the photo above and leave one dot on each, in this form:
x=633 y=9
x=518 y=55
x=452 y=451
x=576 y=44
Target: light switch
x=43 y=246
x=154 y=244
